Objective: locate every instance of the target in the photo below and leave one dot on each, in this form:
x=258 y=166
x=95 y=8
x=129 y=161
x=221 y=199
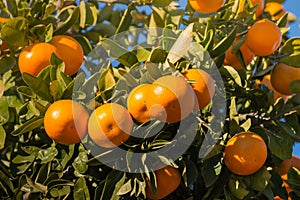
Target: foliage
x=32 y=166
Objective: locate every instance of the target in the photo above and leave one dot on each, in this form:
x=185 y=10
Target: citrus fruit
x=3 y=20
x=275 y=9
x=205 y=7
x=267 y=82
x=245 y=153
x=34 y=58
x=3 y=44
x=203 y=86
x=264 y=37
x=136 y=103
x=170 y=99
x=70 y=51
x=231 y=59
x=259 y=9
x=65 y=122
x=282 y=76
x=110 y=125
x=167 y=181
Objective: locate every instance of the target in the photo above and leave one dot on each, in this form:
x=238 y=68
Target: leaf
x=112 y=179
x=224 y=44
x=295 y=86
x=126 y=19
x=26 y=91
x=6 y=184
x=12 y=7
x=294 y=180
x=118 y=52
x=157 y=17
x=4 y=111
x=14 y=31
x=81 y=190
x=211 y=170
x=7 y=63
x=292 y=60
x=157 y=55
x=47 y=155
x=2 y=137
x=280 y=145
x=28 y=126
x=74 y=16
x=43 y=173
x=80 y=162
x=39 y=86
x=260 y=179
x=181 y=45
x=291 y=46
x=106 y=81
x=65 y=190
x=126 y=188
x=161 y=3
x=209 y=35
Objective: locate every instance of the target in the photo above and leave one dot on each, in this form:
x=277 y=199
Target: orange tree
x=33 y=166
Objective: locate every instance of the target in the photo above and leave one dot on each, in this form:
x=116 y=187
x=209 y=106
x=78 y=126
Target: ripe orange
x=267 y=82
x=70 y=51
x=136 y=103
x=3 y=20
x=36 y=57
x=110 y=125
x=205 y=6
x=167 y=179
x=170 y=99
x=259 y=9
x=264 y=37
x=66 y=122
x=275 y=9
x=245 y=153
x=204 y=87
x=281 y=77
x=232 y=59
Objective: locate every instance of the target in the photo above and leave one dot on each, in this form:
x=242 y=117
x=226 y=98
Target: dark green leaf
x=14 y=31
x=291 y=46
x=224 y=44
x=4 y=111
x=126 y=19
x=69 y=22
x=39 y=86
x=2 y=137
x=26 y=91
x=113 y=178
x=12 y=7
x=210 y=170
x=6 y=63
x=28 y=126
x=6 y=184
x=292 y=60
x=280 y=145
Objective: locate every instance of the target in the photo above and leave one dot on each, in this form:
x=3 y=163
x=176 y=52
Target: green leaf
x=26 y=91
x=114 y=178
x=80 y=162
x=4 y=111
x=211 y=170
x=157 y=17
x=238 y=187
x=294 y=180
x=295 y=86
x=121 y=54
x=161 y=3
x=7 y=63
x=208 y=41
x=14 y=31
x=57 y=193
x=157 y=55
x=39 y=86
x=224 y=44
x=66 y=156
x=2 y=137
x=292 y=60
x=81 y=190
x=84 y=43
x=66 y=25
x=260 y=179
x=12 y=7
x=28 y=126
x=291 y=46
x=125 y=188
x=88 y=14
x=126 y=19
x=106 y=81
x=280 y=145
x=47 y=155
x=43 y=173
x=6 y=184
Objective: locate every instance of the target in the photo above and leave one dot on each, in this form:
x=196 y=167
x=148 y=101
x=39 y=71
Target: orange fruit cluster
x=170 y=98
x=206 y=7
x=245 y=153
x=34 y=58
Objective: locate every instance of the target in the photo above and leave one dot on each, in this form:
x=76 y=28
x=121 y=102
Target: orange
x=36 y=57
x=170 y=99
x=110 y=125
x=259 y=9
x=167 y=181
x=281 y=77
x=3 y=20
x=245 y=153
x=264 y=37
x=204 y=86
x=206 y=6
x=231 y=59
x=267 y=82
x=65 y=122
x=275 y=9
x=70 y=51
x=136 y=103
